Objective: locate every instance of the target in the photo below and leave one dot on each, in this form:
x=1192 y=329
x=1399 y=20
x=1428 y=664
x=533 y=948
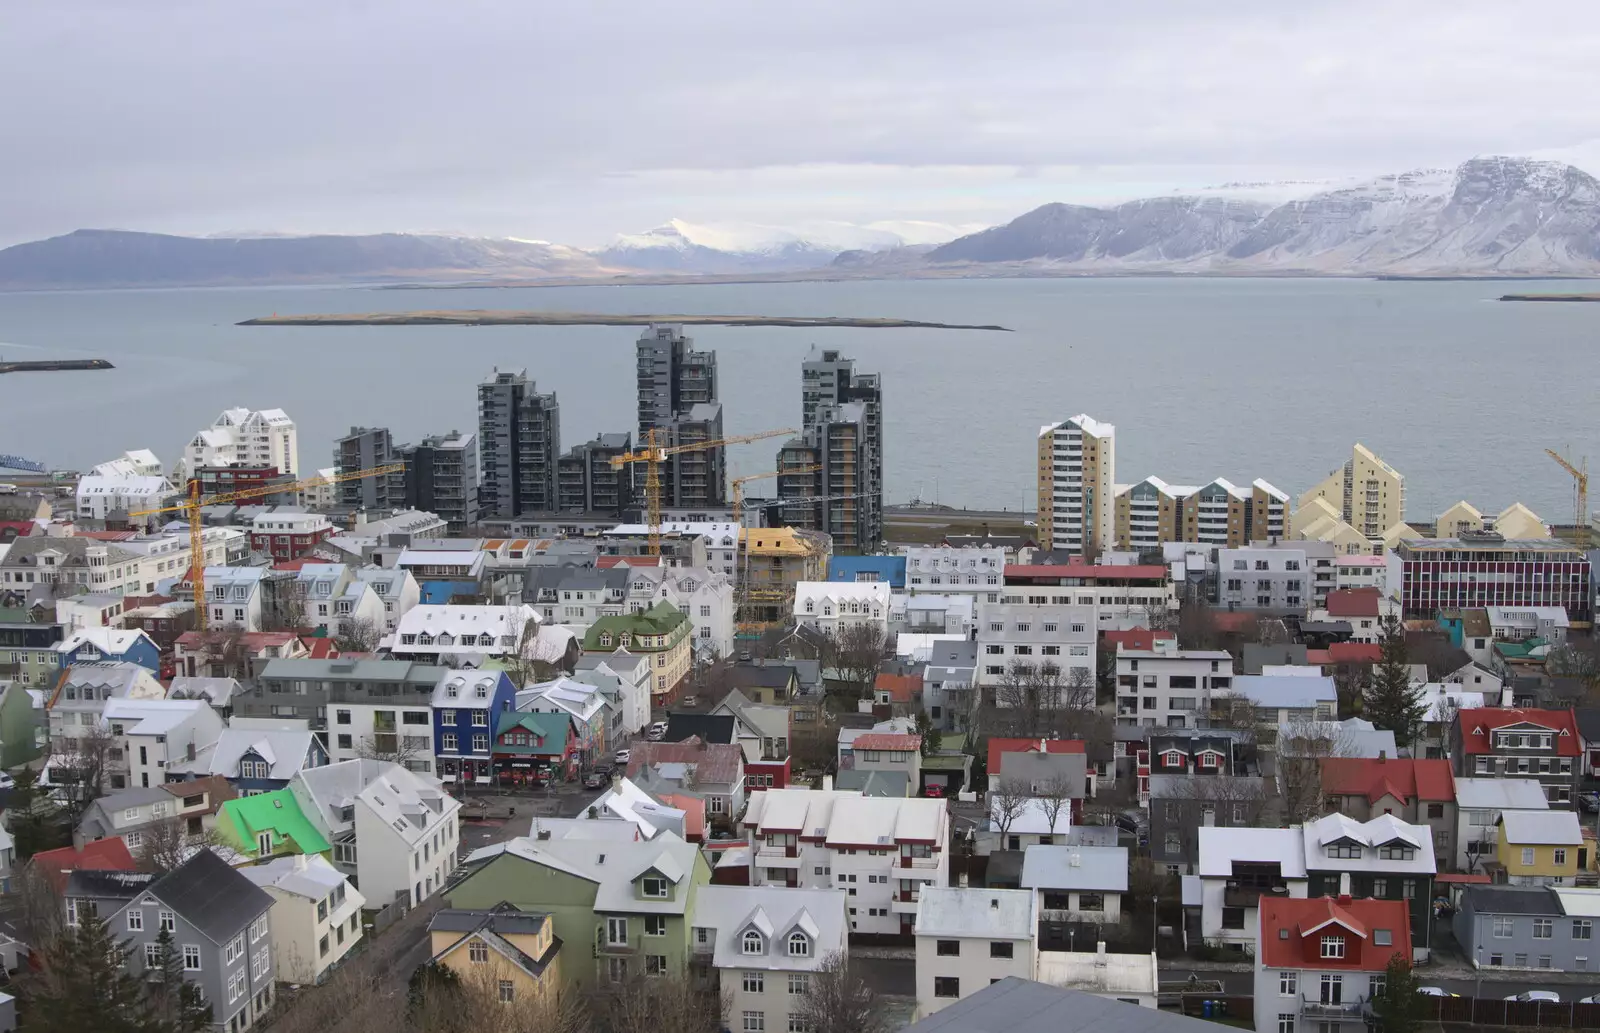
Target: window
x=342 y=717
x=1383 y=937
x=755 y=983
x=999 y=949
x=617 y=931
x=755 y=1022
x=948 y=948
x=1285 y=1022
x=508 y=991
x=1344 y=849
x=478 y=952
x=946 y=986
x=1288 y=984
x=1380 y=887
x=1435 y=810
x=655 y=925
x=799 y=945
x=1582 y=929
x=1559 y=855
x=1544 y=961
x=799 y=984
x=152 y=955
x=1332 y=984
x=1091 y=902
x=167 y=921
x=1503 y=927
x=753 y=942
x=1496 y=960
x=191 y=958
x=135 y=920
x=1520 y=960
x=653 y=886
x=1333 y=946
x=1527 y=855
x=1543 y=928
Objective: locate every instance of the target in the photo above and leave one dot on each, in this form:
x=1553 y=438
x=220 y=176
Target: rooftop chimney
x=963 y=881
x=1100 y=954
x=827 y=783
x=1344 y=887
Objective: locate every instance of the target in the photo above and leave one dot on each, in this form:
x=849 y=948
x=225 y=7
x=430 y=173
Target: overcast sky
x=575 y=121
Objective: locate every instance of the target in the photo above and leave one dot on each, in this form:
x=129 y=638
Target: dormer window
x=1208 y=760
x=1344 y=849
x=753 y=943
x=1172 y=759
x=605 y=639
x=653 y=886
x=486 y=639
x=482 y=691
x=1397 y=852
x=1333 y=947
x=799 y=945
x=811 y=606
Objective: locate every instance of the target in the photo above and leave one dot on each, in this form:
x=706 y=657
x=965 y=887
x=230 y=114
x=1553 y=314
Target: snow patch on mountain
x=754 y=247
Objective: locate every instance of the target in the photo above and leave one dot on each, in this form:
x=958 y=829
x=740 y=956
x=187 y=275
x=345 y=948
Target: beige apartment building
x=1368 y=493
x=1151 y=513
x=1077 y=485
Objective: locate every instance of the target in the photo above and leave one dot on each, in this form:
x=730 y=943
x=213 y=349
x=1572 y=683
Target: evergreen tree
x=1399 y=1007
x=932 y=737
x=1390 y=701
x=177 y=1001
x=82 y=985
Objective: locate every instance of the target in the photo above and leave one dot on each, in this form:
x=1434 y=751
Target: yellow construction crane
x=653 y=455
x=739 y=483
x=1580 y=475
x=192 y=505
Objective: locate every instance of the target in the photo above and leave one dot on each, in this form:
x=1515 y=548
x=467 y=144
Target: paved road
x=1243 y=983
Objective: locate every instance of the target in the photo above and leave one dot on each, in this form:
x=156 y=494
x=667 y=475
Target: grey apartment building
x=678 y=401
x=519 y=443
x=362 y=449
x=842 y=437
x=586 y=482
x=441 y=477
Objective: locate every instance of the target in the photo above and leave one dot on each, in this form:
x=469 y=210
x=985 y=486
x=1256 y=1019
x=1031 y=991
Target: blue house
x=869 y=568
x=93 y=645
x=260 y=754
x=465 y=705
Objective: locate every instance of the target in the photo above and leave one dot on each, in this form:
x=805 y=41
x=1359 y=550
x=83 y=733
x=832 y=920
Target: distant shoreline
x=488 y=317
x=1550 y=297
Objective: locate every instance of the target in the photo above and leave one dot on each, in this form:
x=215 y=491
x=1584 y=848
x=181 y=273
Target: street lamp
x=1478 y=993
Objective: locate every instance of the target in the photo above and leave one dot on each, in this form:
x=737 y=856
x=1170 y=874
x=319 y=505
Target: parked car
x=933 y=792
x=1435 y=991
x=594 y=780
x=6 y=781
x=1590 y=1000
x=1589 y=802
x=622 y=757
x=656 y=731
x=691 y=701
x=1535 y=995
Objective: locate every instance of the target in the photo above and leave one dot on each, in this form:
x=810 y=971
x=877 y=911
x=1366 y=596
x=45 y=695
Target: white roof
x=152 y=716
x=460 y=622
x=413 y=804
x=1580 y=903
x=1290 y=671
x=1523 y=794
x=466 y=683
x=1553 y=828
x=1220 y=848
x=1435 y=694
x=874 y=820
x=731 y=911
x=637 y=809
x=1102 y=868
x=1099 y=973
x=312 y=877
x=1032 y=818
x=877 y=592
x=989 y=913
x=108 y=640
x=282 y=743
x=580 y=700
x=1385 y=828
x=123 y=484
x=1526 y=616
x=1285 y=692
x=440 y=557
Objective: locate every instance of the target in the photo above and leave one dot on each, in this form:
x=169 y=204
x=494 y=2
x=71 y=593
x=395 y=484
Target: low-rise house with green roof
x=269 y=825
x=529 y=746
x=620 y=904
x=661 y=634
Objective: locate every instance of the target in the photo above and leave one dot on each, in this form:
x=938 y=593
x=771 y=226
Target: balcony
x=1329 y=1010
x=1250 y=896
x=897 y=906
x=776 y=857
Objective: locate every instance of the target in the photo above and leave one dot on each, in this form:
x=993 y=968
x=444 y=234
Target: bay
x=1203 y=378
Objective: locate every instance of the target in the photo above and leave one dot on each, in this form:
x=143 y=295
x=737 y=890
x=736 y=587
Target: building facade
x=362 y=449
x=587 y=482
x=243 y=437
x=441 y=477
x=1483 y=570
x=837 y=461
x=678 y=402
x=519 y=443
x=1077 y=486
x=1367 y=492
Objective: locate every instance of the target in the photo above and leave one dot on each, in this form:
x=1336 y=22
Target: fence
x=388 y=915
x=1491 y=1011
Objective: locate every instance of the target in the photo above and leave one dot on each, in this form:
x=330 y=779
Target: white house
x=396 y=588
x=976 y=571
x=936 y=614
x=136 y=462
x=100 y=496
x=1129 y=978
x=316 y=915
x=765 y=944
x=1024 y=634
x=243 y=437
x=1237 y=867
x=234 y=597
x=969 y=938
x=480 y=632
x=407 y=836
x=1515 y=623
x=158 y=736
x=334 y=598
x=1169 y=687
x=79 y=699
x=704 y=593
x=881 y=851
x=355 y=727
x=1280 y=699
x=628 y=674
x=1322 y=961
x=1029 y=824
x=1480 y=803
x=833 y=606
x=1077 y=883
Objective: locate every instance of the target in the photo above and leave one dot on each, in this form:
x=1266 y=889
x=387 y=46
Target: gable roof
x=284 y=745
x=554 y=732
x=1477 y=726
x=211 y=896
x=715 y=764
x=1353 y=602
x=886 y=741
x=998 y=747
x=1301 y=917
x=902 y=688
x=873 y=781
x=492 y=927
x=312 y=877
x=1405 y=779
x=1354 y=652
x=1015 y=1005
x=1546 y=828
x=105 y=855
x=710 y=728
x=279 y=813
x=732 y=910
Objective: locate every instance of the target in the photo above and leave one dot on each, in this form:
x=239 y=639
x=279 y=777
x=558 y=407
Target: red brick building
x=289 y=536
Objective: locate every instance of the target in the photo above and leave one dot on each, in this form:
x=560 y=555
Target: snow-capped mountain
x=1490 y=216
x=686 y=247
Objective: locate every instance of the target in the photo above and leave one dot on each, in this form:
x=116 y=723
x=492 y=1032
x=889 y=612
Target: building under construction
x=840 y=448
x=772 y=560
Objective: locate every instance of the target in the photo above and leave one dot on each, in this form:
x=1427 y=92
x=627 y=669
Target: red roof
x=999 y=747
x=319 y=648
x=1138 y=639
x=715 y=763
x=1234 y=620
x=1477 y=726
x=607 y=562
x=296 y=564
x=1110 y=572
x=1292 y=930
x=1353 y=602
x=694 y=814
x=887 y=741
x=105 y=855
x=251 y=640
x=902 y=688
x=1405 y=779
x=1318 y=657
x=1354 y=653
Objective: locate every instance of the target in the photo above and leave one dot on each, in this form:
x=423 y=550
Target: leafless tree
x=1109 y=802
x=223 y=653
x=520 y=662
x=491 y=996
x=839 y=1001
x=358 y=635
x=1271 y=631
x=1054 y=795
x=1042 y=699
x=1302 y=747
x=166 y=844
x=39 y=909
x=1197 y=627
x=83 y=763
x=1568 y=661
x=391 y=747
x=1238 y=712
x=286 y=609
x=1007 y=800
x=855 y=654
x=663 y=1004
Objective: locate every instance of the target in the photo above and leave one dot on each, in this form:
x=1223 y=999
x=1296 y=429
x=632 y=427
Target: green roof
x=551 y=728
x=661 y=619
x=953 y=742
x=946 y=762
x=279 y=813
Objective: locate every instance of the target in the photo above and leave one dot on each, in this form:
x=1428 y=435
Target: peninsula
x=55 y=365
x=491 y=317
x=1550 y=297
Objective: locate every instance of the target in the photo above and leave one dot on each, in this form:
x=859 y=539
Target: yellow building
x=663 y=635
x=1151 y=513
x=1077 y=485
x=1367 y=493
x=772 y=560
x=1515 y=521
x=505 y=954
x=1540 y=848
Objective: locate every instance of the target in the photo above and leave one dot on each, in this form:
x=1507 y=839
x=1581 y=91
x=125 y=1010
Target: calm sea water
x=1203 y=378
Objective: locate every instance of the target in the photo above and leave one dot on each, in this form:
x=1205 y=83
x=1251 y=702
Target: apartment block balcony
x=903 y=906
x=777 y=857
x=1335 y=1010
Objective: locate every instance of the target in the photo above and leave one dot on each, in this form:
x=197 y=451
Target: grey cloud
x=566 y=120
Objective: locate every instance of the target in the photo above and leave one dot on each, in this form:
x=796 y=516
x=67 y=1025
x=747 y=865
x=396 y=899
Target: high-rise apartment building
x=519 y=444
x=441 y=478
x=362 y=449
x=1077 y=485
x=586 y=482
x=678 y=401
x=244 y=437
x=1151 y=513
x=1368 y=493
x=842 y=436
